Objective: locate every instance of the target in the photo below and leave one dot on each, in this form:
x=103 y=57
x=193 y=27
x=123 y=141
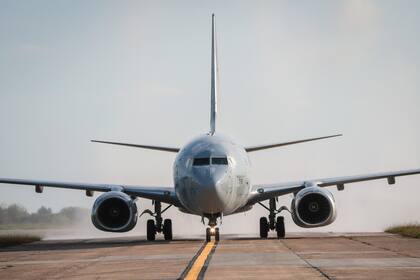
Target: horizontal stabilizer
x=159 y=148
x=263 y=147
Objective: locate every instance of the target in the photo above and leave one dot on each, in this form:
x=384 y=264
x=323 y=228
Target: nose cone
x=209 y=185
x=210 y=177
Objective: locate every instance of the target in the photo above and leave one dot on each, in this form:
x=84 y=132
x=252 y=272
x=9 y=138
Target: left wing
x=163 y=194
x=157 y=148
x=263 y=192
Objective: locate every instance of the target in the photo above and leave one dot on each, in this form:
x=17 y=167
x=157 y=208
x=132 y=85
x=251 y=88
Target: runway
x=299 y=256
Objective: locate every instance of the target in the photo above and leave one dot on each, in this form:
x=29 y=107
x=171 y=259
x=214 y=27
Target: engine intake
x=114 y=211
x=313 y=207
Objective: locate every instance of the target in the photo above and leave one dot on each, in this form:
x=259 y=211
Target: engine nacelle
x=313 y=207
x=114 y=211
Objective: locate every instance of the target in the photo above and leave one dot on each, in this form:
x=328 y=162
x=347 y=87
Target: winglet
x=214 y=77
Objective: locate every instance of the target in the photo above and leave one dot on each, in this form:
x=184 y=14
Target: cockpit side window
x=201 y=161
x=219 y=161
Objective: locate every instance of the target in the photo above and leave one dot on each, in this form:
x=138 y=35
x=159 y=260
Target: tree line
x=16 y=214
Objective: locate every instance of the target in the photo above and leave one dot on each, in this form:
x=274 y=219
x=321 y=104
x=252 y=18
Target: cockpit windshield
x=201 y=161
x=214 y=161
x=219 y=160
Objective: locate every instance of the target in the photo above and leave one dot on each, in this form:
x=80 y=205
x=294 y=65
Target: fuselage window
x=201 y=161
x=219 y=161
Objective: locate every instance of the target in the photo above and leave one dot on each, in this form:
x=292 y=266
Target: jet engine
x=313 y=207
x=114 y=211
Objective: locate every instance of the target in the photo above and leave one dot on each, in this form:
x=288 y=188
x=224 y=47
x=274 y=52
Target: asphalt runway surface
x=298 y=256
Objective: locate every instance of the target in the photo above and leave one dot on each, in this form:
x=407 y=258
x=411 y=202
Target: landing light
x=212 y=230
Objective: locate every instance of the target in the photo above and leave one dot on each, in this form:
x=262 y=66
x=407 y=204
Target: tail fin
x=214 y=77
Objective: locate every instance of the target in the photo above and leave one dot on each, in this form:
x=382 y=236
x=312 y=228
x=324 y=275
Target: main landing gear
x=212 y=230
x=272 y=223
x=158 y=224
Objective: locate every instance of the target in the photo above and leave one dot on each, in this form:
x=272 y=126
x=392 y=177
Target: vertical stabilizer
x=214 y=77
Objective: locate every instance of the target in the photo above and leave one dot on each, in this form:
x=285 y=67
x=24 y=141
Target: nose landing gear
x=212 y=230
x=272 y=223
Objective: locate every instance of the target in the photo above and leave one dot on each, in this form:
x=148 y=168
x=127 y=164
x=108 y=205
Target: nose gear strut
x=212 y=230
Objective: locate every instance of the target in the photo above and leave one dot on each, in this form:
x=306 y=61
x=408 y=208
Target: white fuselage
x=211 y=176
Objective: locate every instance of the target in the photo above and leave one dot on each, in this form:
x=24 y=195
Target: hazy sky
x=139 y=71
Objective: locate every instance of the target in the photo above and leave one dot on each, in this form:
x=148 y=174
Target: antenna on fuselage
x=214 y=77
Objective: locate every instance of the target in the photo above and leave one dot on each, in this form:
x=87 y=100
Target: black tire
x=280 y=229
x=151 y=230
x=217 y=235
x=167 y=229
x=208 y=235
x=263 y=227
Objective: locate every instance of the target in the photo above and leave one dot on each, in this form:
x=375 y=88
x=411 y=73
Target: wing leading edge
x=270 y=146
x=163 y=194
x=158 y=148
x=264 y=192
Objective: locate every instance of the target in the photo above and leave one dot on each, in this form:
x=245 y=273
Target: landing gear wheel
x=217 y=235
x=263 y=227
x=281 y=232
x=208 y=235
x=151 y=230
x=167 y=229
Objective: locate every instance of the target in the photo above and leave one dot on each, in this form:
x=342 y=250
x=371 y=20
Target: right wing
x=264 y=192
x=163 y=194
x=263 y=147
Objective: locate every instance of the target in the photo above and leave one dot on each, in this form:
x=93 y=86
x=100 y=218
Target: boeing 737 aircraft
x=211 y=179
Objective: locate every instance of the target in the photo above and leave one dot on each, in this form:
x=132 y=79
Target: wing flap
x=263 y=147
x=163 y=194
x=56 y=184
x=158 y=148
x=264 y=192
x=366 y=177
x=267 y=191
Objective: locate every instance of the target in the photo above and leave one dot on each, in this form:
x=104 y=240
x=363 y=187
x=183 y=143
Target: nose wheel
x=214 y=231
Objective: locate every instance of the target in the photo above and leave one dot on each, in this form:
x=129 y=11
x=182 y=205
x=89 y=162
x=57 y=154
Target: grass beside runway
x=411 y=230
x=16 y=239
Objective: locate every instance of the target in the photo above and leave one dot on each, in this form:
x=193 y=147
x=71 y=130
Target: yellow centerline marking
x=199 y=262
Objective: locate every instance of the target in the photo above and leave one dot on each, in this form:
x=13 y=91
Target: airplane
x=211 y=179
